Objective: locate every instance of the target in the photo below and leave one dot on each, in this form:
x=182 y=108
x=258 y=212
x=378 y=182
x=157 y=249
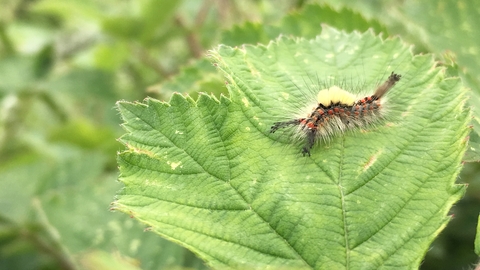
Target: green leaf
x=199 y=76
x=71 y=10
x=17 y=73
x=208 y=175
x=85 y=83
x=155 y=16
x=307 y=22
x=146 y=27
x=473 y=150
x=248 y=33
x=304 y=23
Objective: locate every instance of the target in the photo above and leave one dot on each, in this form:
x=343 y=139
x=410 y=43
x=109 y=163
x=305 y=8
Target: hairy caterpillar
x=338 y=111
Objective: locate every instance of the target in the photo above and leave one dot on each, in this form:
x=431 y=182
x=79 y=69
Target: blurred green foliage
x=64 y=64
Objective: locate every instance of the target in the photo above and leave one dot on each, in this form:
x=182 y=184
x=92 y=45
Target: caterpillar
x=338 y=111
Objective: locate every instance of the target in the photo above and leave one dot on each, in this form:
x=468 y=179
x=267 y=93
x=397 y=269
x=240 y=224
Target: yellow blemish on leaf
x=143 y=151
x=174 y=165
x=372 y=160
x=255 y=73
x=245 y=101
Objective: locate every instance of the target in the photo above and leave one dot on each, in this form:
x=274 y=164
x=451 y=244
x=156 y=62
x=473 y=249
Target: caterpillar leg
x=278 y=125
x=311 y=134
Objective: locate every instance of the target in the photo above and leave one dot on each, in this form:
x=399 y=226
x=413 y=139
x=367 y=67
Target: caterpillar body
x=338 y=111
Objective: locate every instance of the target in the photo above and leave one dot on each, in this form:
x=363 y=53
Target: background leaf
x=206 y=175
x=305 y=23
